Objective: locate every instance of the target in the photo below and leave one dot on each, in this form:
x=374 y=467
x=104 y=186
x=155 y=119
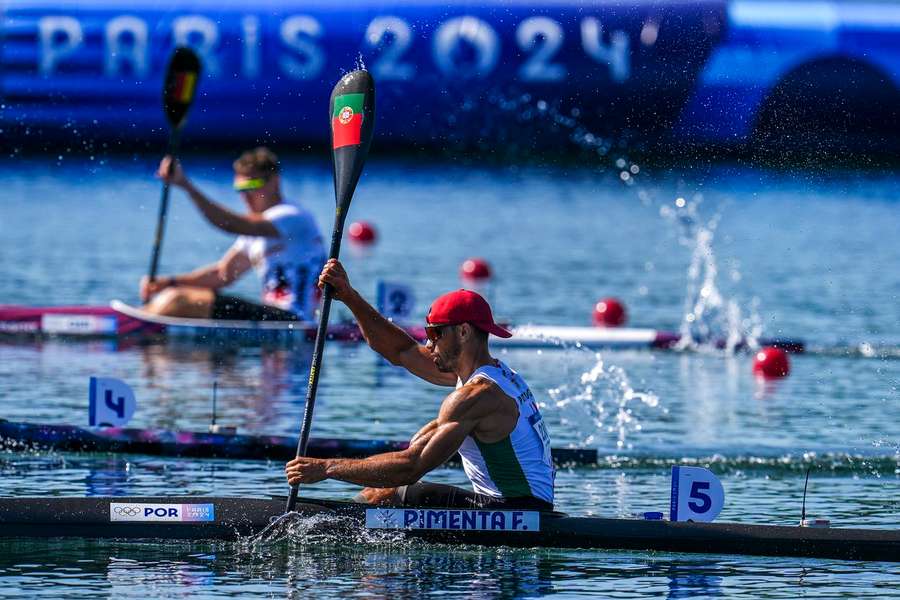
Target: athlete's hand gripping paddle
x=178 y=94
x=352 y=113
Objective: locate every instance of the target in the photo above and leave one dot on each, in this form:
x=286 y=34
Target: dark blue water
x=810 y=256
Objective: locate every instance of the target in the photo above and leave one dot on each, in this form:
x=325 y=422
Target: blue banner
x=95 y=68
x=478 y=74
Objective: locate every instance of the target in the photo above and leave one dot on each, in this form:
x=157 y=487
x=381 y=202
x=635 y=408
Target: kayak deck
x=217 y=518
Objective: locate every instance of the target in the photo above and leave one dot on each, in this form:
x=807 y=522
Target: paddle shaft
x=315 y=368
x=352 y=114
x=174 y=139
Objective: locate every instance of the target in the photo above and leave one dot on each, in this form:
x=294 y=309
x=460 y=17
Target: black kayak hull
x=234 y=517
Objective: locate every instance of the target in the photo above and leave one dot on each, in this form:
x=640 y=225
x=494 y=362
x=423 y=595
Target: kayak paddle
x=178 y=93
x=352 y=113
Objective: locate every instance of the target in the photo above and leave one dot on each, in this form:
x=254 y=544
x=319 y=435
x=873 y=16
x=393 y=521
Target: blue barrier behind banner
x=446 y=72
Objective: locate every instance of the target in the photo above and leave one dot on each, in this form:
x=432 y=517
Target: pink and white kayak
x=119 y=320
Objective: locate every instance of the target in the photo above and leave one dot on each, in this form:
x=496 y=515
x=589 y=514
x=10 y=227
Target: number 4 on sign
x=697 y=495
x=110 y=402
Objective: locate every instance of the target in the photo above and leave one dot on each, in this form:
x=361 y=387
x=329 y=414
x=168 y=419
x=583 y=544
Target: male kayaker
x=491 y=419
x=281 y=240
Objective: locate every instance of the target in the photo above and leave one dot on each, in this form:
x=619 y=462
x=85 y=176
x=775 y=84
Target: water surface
x=804 y=256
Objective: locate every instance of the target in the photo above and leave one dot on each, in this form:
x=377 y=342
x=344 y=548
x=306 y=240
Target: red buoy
x=362 y=232
x=771 y=362
x=475 y=269
x=609 y=312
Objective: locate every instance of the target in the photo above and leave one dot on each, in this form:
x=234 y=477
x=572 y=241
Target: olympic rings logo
x=127 y=511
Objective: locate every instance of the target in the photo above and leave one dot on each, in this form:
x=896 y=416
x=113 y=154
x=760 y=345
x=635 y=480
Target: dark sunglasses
x=435 y=332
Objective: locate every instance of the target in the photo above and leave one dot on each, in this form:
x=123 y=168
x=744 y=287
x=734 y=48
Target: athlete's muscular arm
x=217 y=275
x=431 y=447
x=383 y=336
x=427 y=430
x=218 y=215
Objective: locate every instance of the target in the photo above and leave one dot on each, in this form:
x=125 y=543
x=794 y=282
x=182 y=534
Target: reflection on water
x=173 y=382
x=252 y=382
x=87 y=569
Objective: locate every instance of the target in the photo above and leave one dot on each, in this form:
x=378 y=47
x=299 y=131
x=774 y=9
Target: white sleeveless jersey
x=288 y=265
x=520 y=464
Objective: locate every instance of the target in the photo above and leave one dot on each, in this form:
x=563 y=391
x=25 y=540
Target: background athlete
x=281 y=240
x=491 y=419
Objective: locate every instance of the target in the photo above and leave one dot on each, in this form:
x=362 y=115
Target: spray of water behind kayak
x=709 y=316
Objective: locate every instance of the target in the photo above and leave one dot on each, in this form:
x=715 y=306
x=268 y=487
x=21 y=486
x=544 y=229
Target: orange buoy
x=362 y=232
x=771 y=362
x=609 y=312
x=475 y=269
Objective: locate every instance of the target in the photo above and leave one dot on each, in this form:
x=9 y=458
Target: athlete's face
x=444 y=346
x=256 y=191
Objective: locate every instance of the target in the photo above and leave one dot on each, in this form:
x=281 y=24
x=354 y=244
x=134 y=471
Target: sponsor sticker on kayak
x=19 y=326
x=161 y=513
x=78 y=324
x=453 y=519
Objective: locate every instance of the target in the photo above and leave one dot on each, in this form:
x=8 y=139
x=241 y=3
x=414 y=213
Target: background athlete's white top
x=288 y=265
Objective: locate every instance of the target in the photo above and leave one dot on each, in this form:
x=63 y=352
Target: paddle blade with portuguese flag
x=352 y=123
x=181 y=85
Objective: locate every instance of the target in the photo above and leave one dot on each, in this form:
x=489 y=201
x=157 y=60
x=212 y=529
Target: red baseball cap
x=464 y=306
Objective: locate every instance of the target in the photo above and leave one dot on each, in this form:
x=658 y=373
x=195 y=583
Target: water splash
x=536 y=119
x=711 y=321
x=317 y=529
x=603 y=401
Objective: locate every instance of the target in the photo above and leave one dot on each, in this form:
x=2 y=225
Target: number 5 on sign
x=697 y=495
x=111 y=402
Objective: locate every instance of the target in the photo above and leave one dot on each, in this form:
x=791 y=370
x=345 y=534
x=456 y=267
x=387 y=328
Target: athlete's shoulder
x=293 y=222
x=284 y=210
x=481 y=396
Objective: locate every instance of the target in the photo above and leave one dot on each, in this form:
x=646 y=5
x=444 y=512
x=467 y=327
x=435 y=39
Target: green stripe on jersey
x=504 y=468
x=354 y=101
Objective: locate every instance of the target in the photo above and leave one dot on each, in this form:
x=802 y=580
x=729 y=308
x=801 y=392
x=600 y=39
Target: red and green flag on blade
x=182 y=90
x=346 y=119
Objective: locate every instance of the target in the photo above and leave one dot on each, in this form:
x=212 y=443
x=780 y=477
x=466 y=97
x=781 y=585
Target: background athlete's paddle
x=352 y=115
x=178 y=94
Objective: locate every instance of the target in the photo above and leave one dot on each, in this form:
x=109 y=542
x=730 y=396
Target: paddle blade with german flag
x=181 y=85
x=352 y=123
